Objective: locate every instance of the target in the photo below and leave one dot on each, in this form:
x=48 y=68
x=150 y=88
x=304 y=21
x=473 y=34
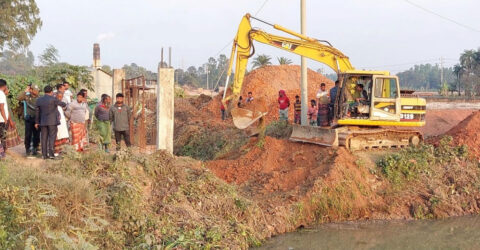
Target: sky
x=376 y=34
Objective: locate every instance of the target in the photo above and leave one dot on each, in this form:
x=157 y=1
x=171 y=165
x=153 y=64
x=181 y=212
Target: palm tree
x=468 y=59
x=261 y=60
x=284 y=61
x=458 y=70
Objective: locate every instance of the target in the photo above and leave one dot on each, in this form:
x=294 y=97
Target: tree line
x=19 y=69
x=427 y=77
x=463 y=78
x=467 y=72
x=215 y=71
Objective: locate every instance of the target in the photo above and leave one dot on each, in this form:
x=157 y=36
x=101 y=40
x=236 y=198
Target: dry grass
x=123 y=201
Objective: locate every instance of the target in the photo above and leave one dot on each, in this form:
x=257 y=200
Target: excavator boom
x=244 y=48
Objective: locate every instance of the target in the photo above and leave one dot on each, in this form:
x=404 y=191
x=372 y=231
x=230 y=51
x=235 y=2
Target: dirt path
x=18 y=155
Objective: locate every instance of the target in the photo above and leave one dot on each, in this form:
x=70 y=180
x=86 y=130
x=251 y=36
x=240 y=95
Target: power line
x=230 y=42
x=407 y=63
x=224 y=47
x=263 y=5
x=442 y=17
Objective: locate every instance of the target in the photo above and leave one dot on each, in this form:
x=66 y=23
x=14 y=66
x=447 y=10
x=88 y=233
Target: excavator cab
x=385 y=97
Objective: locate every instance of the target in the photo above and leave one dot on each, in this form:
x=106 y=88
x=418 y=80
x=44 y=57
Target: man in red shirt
x=283 y=104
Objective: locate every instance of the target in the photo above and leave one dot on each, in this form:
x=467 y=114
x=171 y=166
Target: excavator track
x=379 y=138
x=356 y=138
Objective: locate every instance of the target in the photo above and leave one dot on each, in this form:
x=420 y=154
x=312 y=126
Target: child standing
x=222 y=109
x=298 y=110
x=312 y=113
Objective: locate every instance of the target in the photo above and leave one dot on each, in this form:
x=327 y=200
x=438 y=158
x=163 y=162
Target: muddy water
x=453 y=233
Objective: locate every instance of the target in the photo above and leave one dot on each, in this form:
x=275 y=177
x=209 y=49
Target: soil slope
x=439 y=121
x=467 y=133
x=265 y=83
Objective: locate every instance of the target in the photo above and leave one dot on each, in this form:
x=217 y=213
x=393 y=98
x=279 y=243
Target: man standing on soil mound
x=283 y=105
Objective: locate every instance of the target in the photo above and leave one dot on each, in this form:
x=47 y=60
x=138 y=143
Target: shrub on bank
x=279 y=130
x=410 y=162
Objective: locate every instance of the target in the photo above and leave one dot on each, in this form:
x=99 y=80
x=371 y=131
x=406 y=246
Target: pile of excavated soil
x=467 y=133
x=278 y=165
x=265 y=83
x=440 y=121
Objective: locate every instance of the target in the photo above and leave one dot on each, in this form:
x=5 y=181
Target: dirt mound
x=441 y=121
x=265 y=82
x=466 y=133
x=275 y=166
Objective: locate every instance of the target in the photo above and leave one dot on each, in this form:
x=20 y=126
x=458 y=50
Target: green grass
x=407 y=164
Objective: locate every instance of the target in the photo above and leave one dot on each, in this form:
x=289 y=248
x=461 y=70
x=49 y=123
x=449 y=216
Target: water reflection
x=453 y=233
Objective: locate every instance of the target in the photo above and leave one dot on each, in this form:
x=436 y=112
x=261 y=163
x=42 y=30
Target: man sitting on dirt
x=240 y=103
x=249 y=98
x=283 y=105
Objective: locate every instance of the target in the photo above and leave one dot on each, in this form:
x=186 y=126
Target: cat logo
x=287 y=45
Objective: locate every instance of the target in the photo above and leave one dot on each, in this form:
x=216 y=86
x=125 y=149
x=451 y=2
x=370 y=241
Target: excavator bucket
x=244 y=118
x=249 y=113
x=316 y=135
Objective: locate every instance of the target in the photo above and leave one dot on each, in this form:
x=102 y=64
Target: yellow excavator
x=375 y=124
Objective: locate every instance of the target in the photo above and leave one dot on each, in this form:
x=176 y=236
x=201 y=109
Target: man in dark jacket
x=32 y=135
x=47 y=118
x=120 y=117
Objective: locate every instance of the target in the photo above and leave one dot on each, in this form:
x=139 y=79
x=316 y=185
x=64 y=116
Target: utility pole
x=444 y=92
x=206 y=70
x=441 y=68
x=304 y=83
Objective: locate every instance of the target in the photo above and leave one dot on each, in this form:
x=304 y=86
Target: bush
x=279 y=130
x=179 y=93
x=208 y=145
x=410 y=162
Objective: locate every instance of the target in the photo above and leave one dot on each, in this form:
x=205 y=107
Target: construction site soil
x=466 y=133
x=299 y=184
x=265 y=82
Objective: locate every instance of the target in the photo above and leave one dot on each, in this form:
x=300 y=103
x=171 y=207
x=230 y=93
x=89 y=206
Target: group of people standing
x=320 y=111
x=57 y=118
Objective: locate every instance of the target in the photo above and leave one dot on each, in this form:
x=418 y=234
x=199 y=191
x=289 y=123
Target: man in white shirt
x=4 y=118
x=67 y=94
x=322 y=95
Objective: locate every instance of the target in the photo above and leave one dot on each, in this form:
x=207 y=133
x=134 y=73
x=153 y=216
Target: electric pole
x=304 y=83
x=441 y=69
x=207 y=76
x=444 y=91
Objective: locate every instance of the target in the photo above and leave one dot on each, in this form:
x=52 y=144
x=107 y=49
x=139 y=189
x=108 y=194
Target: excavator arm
x=243 y=47
x=301 y=45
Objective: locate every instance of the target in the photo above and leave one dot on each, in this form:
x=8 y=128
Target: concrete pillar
x=304 y=72
x=165 y=108
x=117 y=77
